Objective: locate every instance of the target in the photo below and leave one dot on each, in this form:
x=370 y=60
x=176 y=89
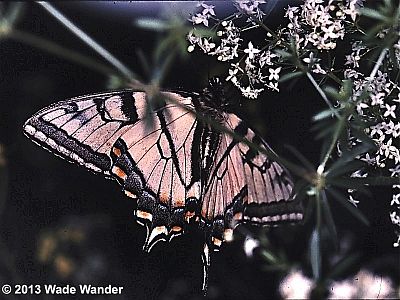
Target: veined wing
x=245 y=186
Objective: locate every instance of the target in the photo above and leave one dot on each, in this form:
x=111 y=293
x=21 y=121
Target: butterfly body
x=180 y=170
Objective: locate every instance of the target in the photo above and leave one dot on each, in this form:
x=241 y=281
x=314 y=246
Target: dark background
x=62 y=224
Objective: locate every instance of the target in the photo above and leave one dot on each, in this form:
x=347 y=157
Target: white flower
x=295 y=286
x=310 y=59
x=396 y=130
x=250 y=245
x=390 y=111
x=343 y=290
x=363 y=285
x=251 y=50
x=395 y=200
x=330 y=32
x=274 y=74
x=190 y=48
x=291 y=11
x=353 y=201
x=232 y=75
x=396 y=244
x=266 y=58
x=398 y=98
x=395 y=171
x=200 y=18
x=250 y=93
x=377 y=99
x=353 y=8
x=208 y=9
x=206 y=46
x=395 y=218
x=192 y=38
x=352 y=60
x=273 y=86
x=250 y=7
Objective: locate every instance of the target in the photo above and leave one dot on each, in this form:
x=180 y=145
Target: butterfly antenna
x=206 y=257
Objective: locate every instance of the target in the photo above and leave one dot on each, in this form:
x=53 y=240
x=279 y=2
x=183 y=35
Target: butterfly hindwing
x=245 y=186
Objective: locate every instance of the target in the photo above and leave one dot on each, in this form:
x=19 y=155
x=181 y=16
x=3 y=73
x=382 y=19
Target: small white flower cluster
x=363 y=285
x=319 y=23
x=315 y=25
x=395 y=204
x=254 y=71
x=205 y=15
x=383 y=104
x=229 y=37
x=250 y=8
x=296 y=286
x=250 y=244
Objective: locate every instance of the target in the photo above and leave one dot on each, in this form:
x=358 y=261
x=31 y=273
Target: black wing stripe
x=168 y=135
x=51 y=131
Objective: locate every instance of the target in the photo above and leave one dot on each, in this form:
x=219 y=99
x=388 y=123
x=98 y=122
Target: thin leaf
x=346 y=182
x=152 y=24
x=349 y=156
x=284 y=54
x=343 y=265
x=301 y=157
x=344 y=167
x=332 y=93
x=290 y=76
x=324 y=148
x=323 y=115
x=308 y=213
x=269 y=256
x=315 y=253
x=372 y=13
x=142 y=58
x=350 y=207
x=362 y=181
x=330 y=224
x=378 y=180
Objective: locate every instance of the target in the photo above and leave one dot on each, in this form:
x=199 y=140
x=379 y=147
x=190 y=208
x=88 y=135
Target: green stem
x=88 y=40
x=321 y=92
x=378 y=64
x=318 y=207
x=338 y=131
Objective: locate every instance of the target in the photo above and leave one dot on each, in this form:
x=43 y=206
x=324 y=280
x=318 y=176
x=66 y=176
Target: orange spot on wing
x=176 y=228
x=164 y=197
x=117 y=151
x=119 y=172
x=216 y=242
x=237 y=216
x=180 y=202
x=144 y=215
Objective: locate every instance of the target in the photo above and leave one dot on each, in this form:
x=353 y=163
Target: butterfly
x=182 y=169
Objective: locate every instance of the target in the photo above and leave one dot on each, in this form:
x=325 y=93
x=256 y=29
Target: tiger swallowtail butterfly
x=181 y=170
